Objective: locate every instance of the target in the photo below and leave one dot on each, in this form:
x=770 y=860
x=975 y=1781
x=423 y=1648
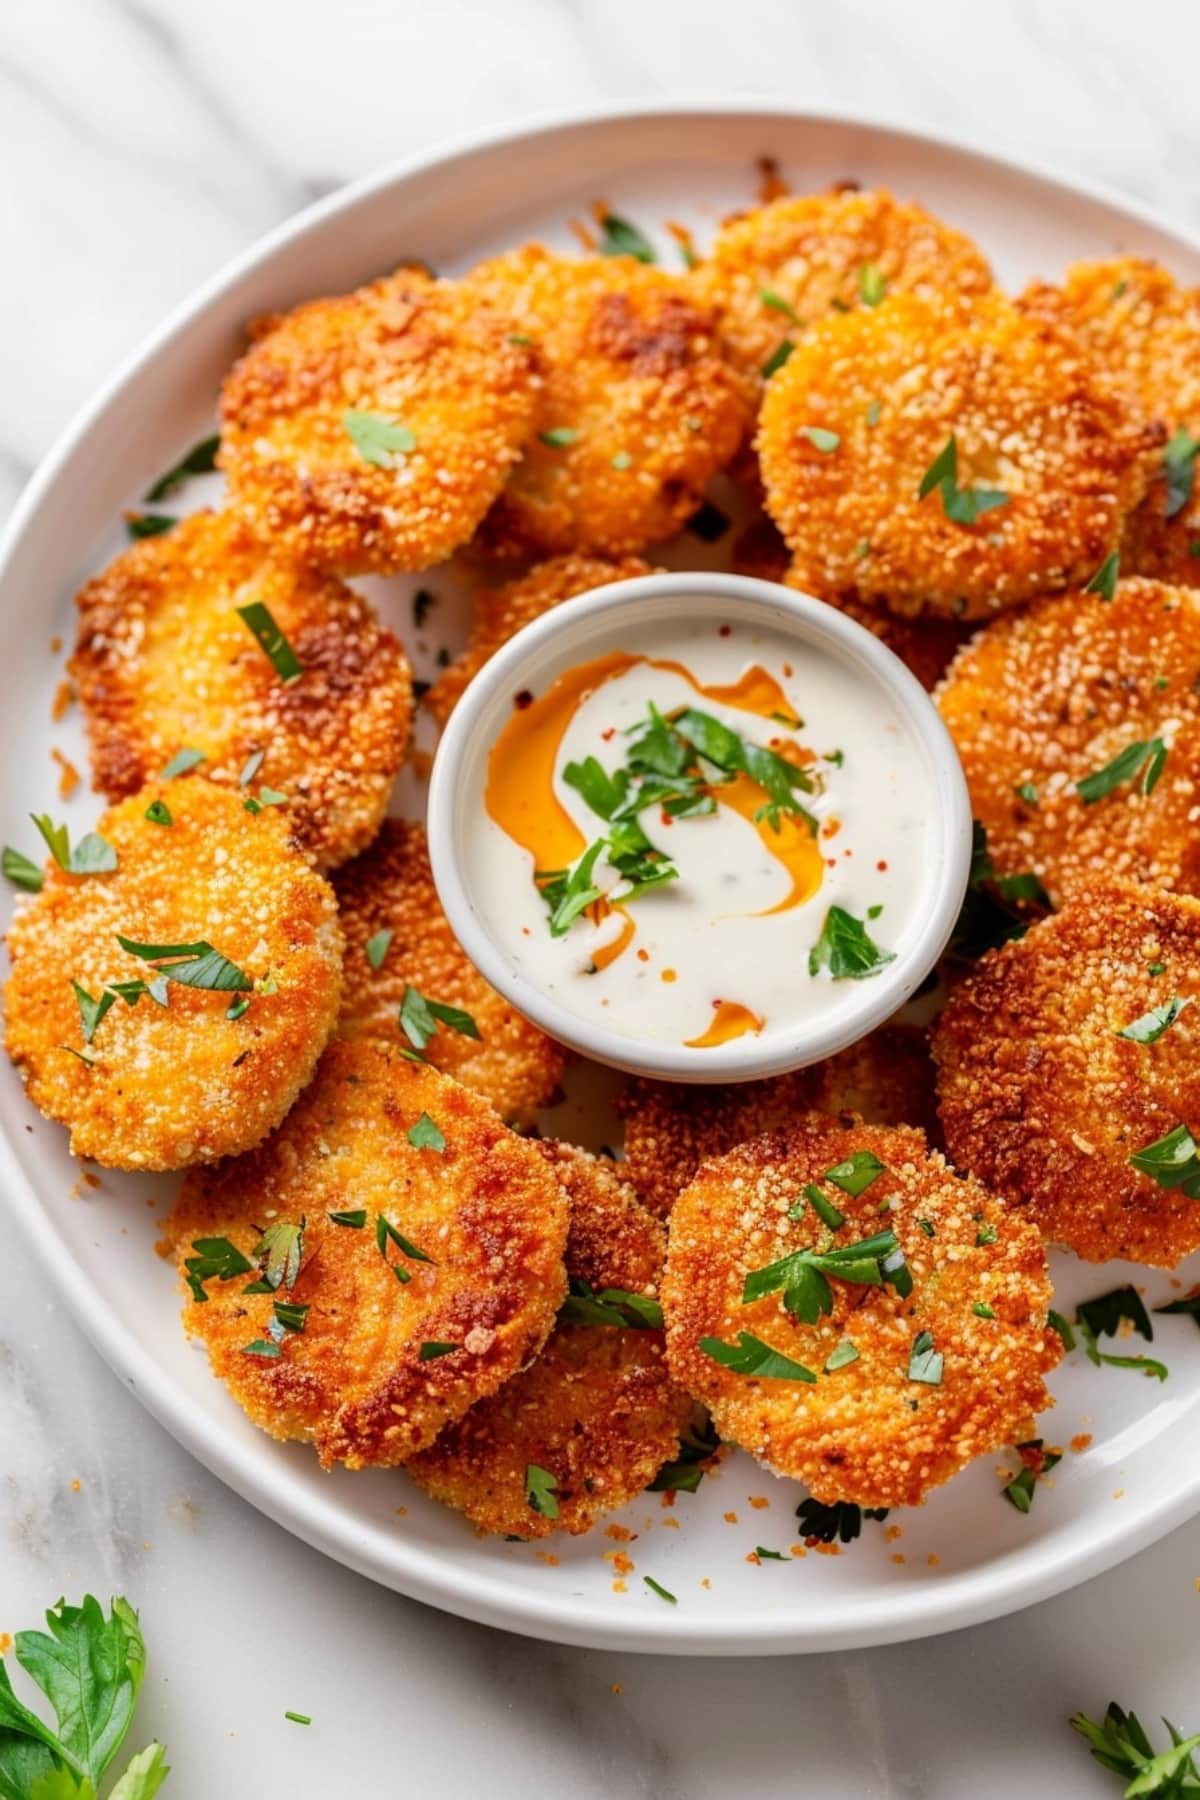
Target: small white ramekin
x=596 y=622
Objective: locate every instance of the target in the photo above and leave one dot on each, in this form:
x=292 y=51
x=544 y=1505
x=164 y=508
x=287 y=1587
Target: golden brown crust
x=1143 y=328
x=181 y=1084
x=430 y=356
x=485 y=1210
x=499 y=613
x=893 y=383
x=672 y=1127
x=597 y=1410
x=163 y=661
x=390 y=888
x=632 y=369
x=855 y=1434
x=1044 y=1101
x=1053 y=696
x=809 y=250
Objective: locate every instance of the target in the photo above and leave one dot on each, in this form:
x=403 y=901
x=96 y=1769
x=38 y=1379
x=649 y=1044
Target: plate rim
x=426 y=1574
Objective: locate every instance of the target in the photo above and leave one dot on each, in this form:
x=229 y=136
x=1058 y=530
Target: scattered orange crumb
x=55 y=645
x=705 y=1582
x=548 y=1557
x=668 y=975
x=898 y=1556
x=1197 y=1590
x=797 y=1550
x=827 y=1549
x=402 y=1512
x=1081 y=1441
x=752 y=1556
x=64 y=697
x=624 y=1565
x=6 y=1642
x=616 y=1688
x=420 y=762
x=892 y=1533
x=932 y=1561
x=670 y=1524
x=730 y=1518
x=758 y=1501
x=620 y=1534
x=77 y=1486
x=68 y=778
x=667 y=1499
x=584 y=233
x=1118 y=1493
x=620 y=1587
x=771 y=185
x=92 y=1179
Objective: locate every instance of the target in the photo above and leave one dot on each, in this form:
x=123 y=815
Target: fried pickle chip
x=499 y=613
x=672 y=1127
x=1045 y=1100
x=1083 y=690
x=597 y=1413
x=163 y=661
x=1029 y=462
x=1143 y=328
x=787 y=265
x=411 y=1251
x=885 y=1393
x=189 y=1070
x=637 y=413
x=370 y=432
x=389 y=890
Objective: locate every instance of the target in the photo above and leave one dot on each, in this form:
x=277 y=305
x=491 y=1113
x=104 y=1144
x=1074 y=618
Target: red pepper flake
x=609 y=734
x=664 y=818
x=882 y=866
x=771 y=185
x=724 y=630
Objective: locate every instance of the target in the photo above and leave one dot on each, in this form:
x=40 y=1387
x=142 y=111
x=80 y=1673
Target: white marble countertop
x=143 y=142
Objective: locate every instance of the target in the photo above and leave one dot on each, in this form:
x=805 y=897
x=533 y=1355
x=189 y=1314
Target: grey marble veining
x=143 y=143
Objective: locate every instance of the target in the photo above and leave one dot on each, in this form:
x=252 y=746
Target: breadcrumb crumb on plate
x=484 y=1212
x=773 y=271
x=597 y=1410
x=1045 y=1101
x=1041 y=701
x=168 y=1085
x=439 y=393
x=163 y=661
x=637 y=413
x=390 y=889
x=866 y=1432
x=884 y=389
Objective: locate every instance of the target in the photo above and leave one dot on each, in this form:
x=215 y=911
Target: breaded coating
x=390 y=888
x=1043 y=1099
x=787 y=265
x=163 y=661
x=1143 y=328
x=869 y=1431
x=499 y=613
x=637 y=413
x=672 y=1127
x=868 y=403
x=164 y=1083
x=441 y=394
x=597 y=1411
x=475 y=1266
x=1037 y=703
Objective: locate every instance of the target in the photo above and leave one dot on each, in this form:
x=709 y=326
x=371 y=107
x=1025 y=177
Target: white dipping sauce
x=707 y=950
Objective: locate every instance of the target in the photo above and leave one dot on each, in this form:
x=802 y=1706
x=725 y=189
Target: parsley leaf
x=1036 y=1462
x=420 y=1018
x=92 y=1011
x=698 y=1444
x=148 y=525
x=195 y=965
x=1150 y=1027
x=821 y=439
x=201 y=459
x=541 y=1490
x=855 y=1175
x=376 y=947
x=1148 y=754
x=1179 y=467
x=777 y=359
x=181 y=762
x=840 y=1520
x=568 y=892
x=779 y=304
x=841 y=1356
x=558 y=437
x=611 y=1306
x=846 y=948
x=618 y=237
x=424 y=1135
x=277 y=1256
x=1104 y=581
x=1120 y=1743
x=92 y=855
x=270 y=639
x=924 y=1362
x=378 y=441
x=871 y=284
x=355 y=1219
x=158 y=813
x=1103 y=1316
x=215 y=1259
x=431 y=1349
x=750 y=1356
x=20 y=871
x=963 y=506
x=663 y=1593
x=1171 y=1161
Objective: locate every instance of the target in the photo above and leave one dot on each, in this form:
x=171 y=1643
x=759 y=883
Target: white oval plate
x=965 y=1556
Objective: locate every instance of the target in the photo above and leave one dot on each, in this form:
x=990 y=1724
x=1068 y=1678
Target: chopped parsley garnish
x=214 y=1259
x=378 y=441
x=855 y=1175
x=267 y=796
x=298 y=1718
x=431 y=1349
x=610 y=1306
x=1120 y=1743
x=376 y=947
x=251 y=766
x=963 y=506
x=20 y=871
x=424 y=1135
x=195 y=965
x=237 y=1009
x=1036 y=1462
x=385 y=1233
x=924 y=1362
x=619 y=237
x=558 y=437
x=291 y=1314
x=1150 y=1027
x=277 y=1256
x=698 y=1444
x=1179 y=467
x=1104 y=581
x=622 y=460
x=871 y=284
x=541 y=1491
x=824 y=1208
x=663 y=1593
x=1189 y=1305
x=1172 y=1162
x=769 y=1555
x=183 y=760
x=846 y=948
x=778 y=304
x=158 y=813
x=750 y=1356
x=840 y=1356
x=989 y=915
x=1146 y=757
x=1062 y=1326
x=1102 y=1317
x=355 y=1219
x=1027 y=792
x=92 y=855
x=420 y=1018
x=982 y=1310
x=838 y=1521
x=568 y=892
x=148 y=525
x=987 y=1234
x=777 y=359
x=874 y=410
x=270 y=640
x=201 y=459
x=92 y=1011
x=708 y=523
x=268 y=1347
x=820 y=439
x=803 y=1275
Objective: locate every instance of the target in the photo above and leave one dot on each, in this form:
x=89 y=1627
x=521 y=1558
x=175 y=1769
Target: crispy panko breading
x=597 y=1411
x=439 y=393
x=637 y=413
x=165 y=1083
x=500 y=612
x=389 y=888
x=868 y=403
x=672 y=1127
x=868 y=1431
x=1039 y=702
x=1043 y=1099
x=163 y=661
x=469 y=1258
x=784 y=266
x=1144 y=330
